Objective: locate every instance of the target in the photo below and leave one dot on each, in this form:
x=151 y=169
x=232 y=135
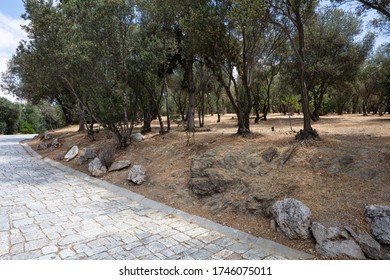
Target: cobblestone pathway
x=49 y=212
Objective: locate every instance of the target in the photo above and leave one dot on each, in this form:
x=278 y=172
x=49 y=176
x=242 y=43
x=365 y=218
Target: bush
x=106 y=154
x=27 y=128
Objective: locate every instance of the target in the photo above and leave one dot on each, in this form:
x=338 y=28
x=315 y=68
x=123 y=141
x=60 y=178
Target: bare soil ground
x=336 y=176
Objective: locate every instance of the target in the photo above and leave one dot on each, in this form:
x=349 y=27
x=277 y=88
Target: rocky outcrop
x=137 y=174
x=293 y=218
x=215 y=180
x=269 y=154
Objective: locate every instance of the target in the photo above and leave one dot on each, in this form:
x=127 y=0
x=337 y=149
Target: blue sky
x=12 y=8
x=11 y=33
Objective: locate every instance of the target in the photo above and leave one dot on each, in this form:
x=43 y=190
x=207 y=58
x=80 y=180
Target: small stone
x=95 y=164
x=72 y=153
x=137 y=137
x=118 y=165
x=137 y=174
x=89 y=153
x=41 y=147
x=81 y=160
x=60 y=156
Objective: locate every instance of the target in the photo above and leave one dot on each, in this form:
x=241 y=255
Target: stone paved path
x=49 y=212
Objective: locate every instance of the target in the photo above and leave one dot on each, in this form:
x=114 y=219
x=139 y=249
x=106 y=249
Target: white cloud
x=11 y=34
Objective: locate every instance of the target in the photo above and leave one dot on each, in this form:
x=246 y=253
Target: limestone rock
x=380 y=222
x=99 y=172
x=137 y=174
x=345 y=248
x=60 y=156
x=118 y=165
x=322 y=234
x=96 y=163
x=81 y=160
x=89 y=153
x=373 y=211
x=368 y=244
x=137 y=137
x=293 y=218
x=380 y=229
x=72 y=153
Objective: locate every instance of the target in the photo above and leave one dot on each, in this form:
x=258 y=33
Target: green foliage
x=9 y=116
x=27 y=128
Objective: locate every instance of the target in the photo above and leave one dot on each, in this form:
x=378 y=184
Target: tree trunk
x=191 y=93
x=81 y=118
x=307 y=131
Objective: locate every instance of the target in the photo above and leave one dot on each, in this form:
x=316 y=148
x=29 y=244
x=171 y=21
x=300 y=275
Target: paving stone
x=140 y=252
x=49 y=249
x=36 y=244
x=256 y=254
x=155 y=247
x=239 y=248
x=168 y=242
x=181 y=237
x=22 y=222
x=4 y=243
x=67 y=253
x=73 y=238
x=202 y=255
x=222 y=255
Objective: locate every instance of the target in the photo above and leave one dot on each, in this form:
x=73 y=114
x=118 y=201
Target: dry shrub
x=107 y=154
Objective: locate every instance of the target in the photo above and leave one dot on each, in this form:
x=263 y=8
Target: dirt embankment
x=336 y=177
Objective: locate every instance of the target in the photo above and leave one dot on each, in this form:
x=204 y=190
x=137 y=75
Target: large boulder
x=137 y=174
x=380 y=222
x=72 y=153
x=118 y=165
x=293 y=218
